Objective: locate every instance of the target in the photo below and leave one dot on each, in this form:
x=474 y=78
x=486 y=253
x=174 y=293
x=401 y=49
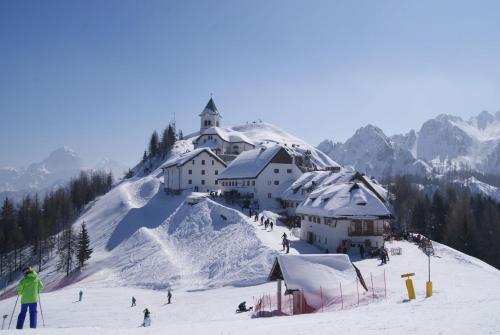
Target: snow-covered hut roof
x=310 y=272
x=249 y=164
x=186 y=157
x=344 y=200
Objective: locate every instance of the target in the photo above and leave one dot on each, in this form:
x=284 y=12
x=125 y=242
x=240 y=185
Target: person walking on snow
x=256 y=218
x=80 y=295
x=271 y=225
x=283 y=242
x=287 y=246
x=133 y=302
x=29 y=288
x=147 y=318
x=169 y=296
x=261 y=220
x=283 y=236
x=362 y=251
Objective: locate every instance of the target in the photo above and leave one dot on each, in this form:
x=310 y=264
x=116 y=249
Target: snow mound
x=199 y=246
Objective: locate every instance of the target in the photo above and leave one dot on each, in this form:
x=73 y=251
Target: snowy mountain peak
x=62 y=159
x=483 y=120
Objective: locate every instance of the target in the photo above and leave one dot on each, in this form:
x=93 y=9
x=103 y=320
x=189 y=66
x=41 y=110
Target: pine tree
x=181 y=135
x=67 y=251
x=154 y=144
x=144 y=156
x=84 y=251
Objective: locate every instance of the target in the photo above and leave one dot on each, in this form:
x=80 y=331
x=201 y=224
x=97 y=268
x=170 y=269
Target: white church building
x=225 y=143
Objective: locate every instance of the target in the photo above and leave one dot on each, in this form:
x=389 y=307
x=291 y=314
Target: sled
x=244 y=310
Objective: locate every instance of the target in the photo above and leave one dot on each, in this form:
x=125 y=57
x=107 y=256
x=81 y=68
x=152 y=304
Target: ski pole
x=12 y=315
x=41 y=309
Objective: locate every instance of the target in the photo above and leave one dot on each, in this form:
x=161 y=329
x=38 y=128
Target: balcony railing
x=375 y=232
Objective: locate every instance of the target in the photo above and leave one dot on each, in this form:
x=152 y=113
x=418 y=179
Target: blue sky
x=99 y=76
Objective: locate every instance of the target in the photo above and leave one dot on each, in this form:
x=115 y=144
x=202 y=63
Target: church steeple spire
x=210 y=117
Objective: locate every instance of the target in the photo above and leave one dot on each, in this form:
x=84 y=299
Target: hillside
x=465 y=301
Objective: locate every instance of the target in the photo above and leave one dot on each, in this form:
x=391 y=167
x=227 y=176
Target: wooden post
x=373 y=290
x=341 y=296
x=385 y=286
x=321 y=292
x=357 y=288
x=279 y=295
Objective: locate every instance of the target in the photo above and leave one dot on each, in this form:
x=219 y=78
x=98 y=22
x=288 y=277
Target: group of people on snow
x=267 y=222
x=29 y=290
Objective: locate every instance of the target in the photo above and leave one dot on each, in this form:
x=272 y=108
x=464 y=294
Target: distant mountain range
x=55 y=170
x=442 y=144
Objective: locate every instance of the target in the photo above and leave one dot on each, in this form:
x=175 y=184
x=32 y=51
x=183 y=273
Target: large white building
x=226 y=143
x=260 y=175
x=294 y=195
x=344 y=214
x=195 y=170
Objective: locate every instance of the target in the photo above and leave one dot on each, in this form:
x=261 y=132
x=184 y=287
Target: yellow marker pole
x=428 y=285
x=409 y=285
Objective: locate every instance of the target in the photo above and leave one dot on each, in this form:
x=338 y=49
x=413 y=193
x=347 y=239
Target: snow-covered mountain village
x=264 y=167
x=252 y=213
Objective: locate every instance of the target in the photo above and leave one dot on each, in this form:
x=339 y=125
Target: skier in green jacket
x=28 y=288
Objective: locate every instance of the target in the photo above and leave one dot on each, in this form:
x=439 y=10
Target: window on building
x=248 y=182
x=202 y=162
x=216 y=172
x=193 y=161
x=209 y=122
x=276 y=182
x=288 y=170
x=203 y=181
x=253 y=182
x=216 y=182
x=190 y=171
x=276 y=170
x=202 y=172
x=213 y=162
x=190 y=181
x=269 y=195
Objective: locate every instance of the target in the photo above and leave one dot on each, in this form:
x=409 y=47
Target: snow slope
x=466 y=300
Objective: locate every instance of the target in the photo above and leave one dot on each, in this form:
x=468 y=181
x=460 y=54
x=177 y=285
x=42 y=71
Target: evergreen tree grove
x=84 y=251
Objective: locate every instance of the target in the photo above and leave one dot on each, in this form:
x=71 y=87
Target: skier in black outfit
x=261 y=220
x=147 y=318
x=287 y=246
x=169 y=296
x=362 y=251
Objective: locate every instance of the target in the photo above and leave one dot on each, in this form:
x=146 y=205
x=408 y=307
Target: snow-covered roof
x=309 y=181
x=312 y=271
x=186 y=157
x=344 y=200
x=210 y=108
x=228 y=135
x=250 y=163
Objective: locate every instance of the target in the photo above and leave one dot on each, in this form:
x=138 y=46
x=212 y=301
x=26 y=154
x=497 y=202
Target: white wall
x=177 y=178
x=329 y=236
x=265 y=184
